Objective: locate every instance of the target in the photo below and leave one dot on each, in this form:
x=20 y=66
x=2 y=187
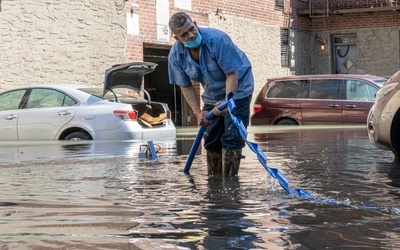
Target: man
x=209 y=56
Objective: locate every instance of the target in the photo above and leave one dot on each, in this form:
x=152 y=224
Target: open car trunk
x=125 y=82
x=150 y=114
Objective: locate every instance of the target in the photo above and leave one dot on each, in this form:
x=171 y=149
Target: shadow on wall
x=0 y=5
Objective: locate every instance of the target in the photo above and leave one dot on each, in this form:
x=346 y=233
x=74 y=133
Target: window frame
x=279 y=4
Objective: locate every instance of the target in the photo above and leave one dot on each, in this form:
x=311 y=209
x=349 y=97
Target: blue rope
x=275 y=173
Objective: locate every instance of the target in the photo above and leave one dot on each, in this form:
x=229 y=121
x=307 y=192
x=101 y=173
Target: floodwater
x=102 y=195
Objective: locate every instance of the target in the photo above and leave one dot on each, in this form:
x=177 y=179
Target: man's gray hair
x=178 y=20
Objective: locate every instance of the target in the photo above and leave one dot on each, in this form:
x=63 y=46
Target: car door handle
x=11 y=117
x=333 y=106
x=352 y=106
x=64 y=113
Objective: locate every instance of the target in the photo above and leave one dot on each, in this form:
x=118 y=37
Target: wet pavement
x=101 y=195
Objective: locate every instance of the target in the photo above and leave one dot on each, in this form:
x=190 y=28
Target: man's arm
x=231 y=86
x=191 y=97
x=232 y=81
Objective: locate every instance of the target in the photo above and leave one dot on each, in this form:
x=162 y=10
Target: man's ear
x=176 y=38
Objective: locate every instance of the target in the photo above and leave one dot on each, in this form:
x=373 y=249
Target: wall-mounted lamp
x=322 y=44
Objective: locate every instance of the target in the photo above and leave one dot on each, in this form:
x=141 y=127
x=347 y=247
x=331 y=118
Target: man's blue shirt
x=219 y=56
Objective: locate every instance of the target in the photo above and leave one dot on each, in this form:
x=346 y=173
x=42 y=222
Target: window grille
x=285 y=49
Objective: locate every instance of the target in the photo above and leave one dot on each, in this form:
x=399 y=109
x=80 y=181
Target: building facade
x=76 y=41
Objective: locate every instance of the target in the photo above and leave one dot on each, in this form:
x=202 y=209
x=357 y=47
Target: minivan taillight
x=126 y=115
x=257 y=108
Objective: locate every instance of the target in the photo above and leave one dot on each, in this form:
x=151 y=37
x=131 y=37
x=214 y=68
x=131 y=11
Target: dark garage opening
x=157 y=83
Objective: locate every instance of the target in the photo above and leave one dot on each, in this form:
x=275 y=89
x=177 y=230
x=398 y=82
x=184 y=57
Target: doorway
x=157 y=83
x=345 y=54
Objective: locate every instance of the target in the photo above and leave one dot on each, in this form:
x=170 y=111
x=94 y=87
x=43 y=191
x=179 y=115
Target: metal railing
x=327 y=7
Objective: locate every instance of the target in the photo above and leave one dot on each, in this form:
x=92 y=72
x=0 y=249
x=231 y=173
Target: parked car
x=316 y=99
x=74 y=112
x=384 y=117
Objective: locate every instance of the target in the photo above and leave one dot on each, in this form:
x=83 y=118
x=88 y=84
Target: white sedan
x=66 y=112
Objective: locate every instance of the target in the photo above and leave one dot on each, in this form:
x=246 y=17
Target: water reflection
x=320 y=161
x=224 y=219
x=101 y=195
x=345 y=167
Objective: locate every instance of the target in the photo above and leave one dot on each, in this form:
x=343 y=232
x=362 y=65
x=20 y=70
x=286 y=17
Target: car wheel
x=77 y=136
x=287 y=121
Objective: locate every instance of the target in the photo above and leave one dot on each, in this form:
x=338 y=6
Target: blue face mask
x=195 y=43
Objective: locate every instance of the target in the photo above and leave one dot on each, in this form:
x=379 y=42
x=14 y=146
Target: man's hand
x=201 y=119
x=218 y=112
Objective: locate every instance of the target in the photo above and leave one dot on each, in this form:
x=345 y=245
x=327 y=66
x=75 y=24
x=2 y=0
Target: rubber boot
x=214 y=162
x=231 y=161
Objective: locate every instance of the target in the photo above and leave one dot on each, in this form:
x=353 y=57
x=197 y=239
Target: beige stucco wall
x=56 y=41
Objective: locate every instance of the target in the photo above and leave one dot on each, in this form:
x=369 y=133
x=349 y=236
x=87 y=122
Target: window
x=11 y=100
x=286 y=89
x=279 y=4
x=48 y=98
x=325 y=89
x=285 y=49
x=360 y=91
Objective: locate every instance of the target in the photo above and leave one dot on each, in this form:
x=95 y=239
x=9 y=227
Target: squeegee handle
x=210 y=115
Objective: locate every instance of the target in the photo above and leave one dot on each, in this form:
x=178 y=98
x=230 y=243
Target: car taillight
x=126 y=115
x=256 y=108
x=169 y=115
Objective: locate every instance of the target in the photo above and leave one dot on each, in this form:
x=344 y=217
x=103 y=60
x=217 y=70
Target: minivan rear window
x=325 y=89
x=285 y=89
